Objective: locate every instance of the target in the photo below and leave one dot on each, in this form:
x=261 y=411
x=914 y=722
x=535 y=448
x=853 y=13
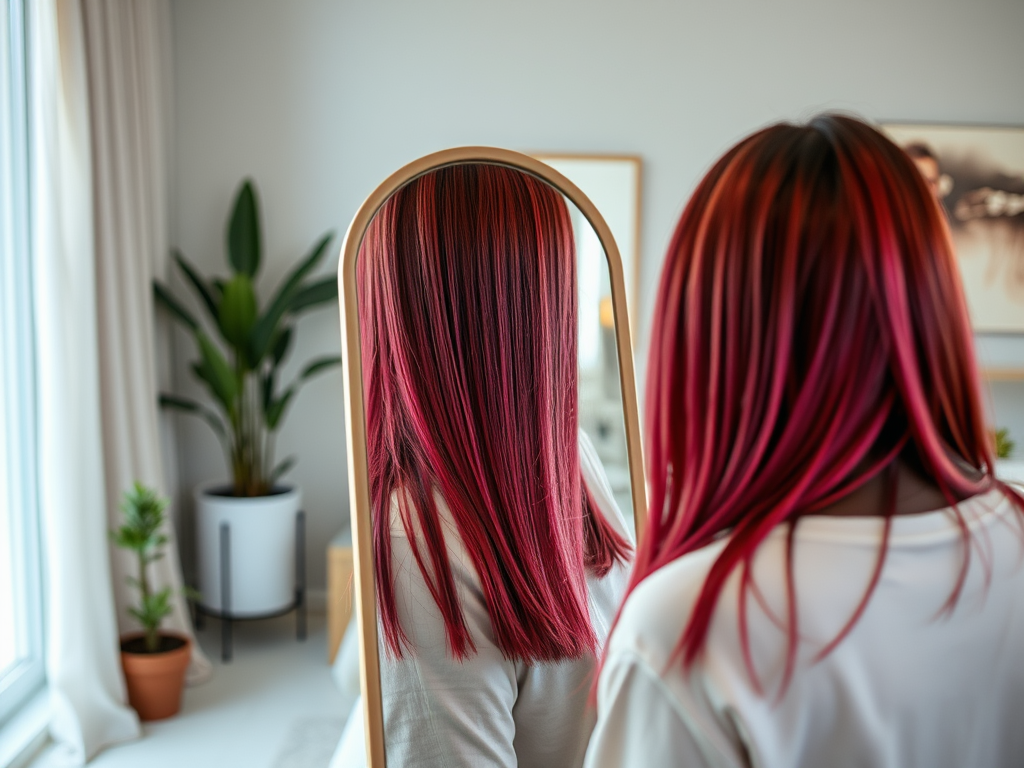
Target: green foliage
x=240 y=374
x=1004 y=445
x=237 y=312
x=244 y=232
x=141 y=533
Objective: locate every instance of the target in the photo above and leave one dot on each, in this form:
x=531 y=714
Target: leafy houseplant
x=141 y=533
x=244 y=383
x=154 y=662
x=248 y=533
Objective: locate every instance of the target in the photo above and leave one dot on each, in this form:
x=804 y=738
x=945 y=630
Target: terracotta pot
x=155 y=680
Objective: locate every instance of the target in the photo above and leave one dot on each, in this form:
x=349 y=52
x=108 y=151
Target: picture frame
x=977 y=174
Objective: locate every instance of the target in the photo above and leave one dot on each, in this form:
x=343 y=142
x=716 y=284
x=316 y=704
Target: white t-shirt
x=908 y=687
x=487 y=710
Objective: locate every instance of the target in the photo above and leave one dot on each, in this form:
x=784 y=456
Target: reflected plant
x=244 y=383
x=1004 y=445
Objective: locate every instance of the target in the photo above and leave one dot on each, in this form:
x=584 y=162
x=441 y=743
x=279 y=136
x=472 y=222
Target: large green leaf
x=164 y=297
x=282 y=343
x=200 y=286
x=213 y=368
x=238 y=311
x=191 y=406
x=244 y=232
x=309 y=262
x=266 y=327
x=280 y=469
x=277 y=408
x=267 y=386
x=207 y=375
x=320 y=292
x=274 y=408
x=318 y=366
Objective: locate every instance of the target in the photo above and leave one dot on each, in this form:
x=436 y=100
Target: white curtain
x=83 y=670
x=99 y=236
x=124 y=46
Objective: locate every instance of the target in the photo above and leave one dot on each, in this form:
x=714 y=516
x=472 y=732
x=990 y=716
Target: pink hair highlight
x=810 y=331
x=468 y=311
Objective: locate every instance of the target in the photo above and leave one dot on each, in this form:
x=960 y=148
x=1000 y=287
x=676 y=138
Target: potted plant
x=242 y=376
x=1004 y=445
x=1007 y=468
x=154 y=662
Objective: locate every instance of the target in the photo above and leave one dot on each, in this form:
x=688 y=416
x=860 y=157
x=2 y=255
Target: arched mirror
x=494 y=458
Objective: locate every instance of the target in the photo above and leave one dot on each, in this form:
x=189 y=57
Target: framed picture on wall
x=978 y=175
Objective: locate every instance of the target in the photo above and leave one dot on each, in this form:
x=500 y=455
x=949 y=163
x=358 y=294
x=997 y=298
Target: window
x=21 y=665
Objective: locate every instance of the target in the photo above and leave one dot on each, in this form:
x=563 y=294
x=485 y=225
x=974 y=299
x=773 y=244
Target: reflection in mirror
x=600 y=394
x=613 y=184
x=498 y=467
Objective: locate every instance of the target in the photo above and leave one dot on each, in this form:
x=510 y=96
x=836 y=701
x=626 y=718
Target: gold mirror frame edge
x=359 y=500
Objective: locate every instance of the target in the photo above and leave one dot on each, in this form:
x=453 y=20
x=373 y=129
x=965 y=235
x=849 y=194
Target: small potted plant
x=242 y=375
x=1007 y=468
x=1004 y=445
x=154 y=662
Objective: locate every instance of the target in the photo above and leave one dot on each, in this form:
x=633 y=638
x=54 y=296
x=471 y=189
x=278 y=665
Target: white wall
x=320 y=100
x=255 y=95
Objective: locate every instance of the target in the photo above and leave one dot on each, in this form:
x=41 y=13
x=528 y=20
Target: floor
x=275 y=705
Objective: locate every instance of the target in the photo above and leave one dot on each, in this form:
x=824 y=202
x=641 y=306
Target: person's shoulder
x=657 y=610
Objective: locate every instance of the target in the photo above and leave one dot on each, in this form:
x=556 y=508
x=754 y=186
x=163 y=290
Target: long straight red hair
x=468 y=322
x=810 y=331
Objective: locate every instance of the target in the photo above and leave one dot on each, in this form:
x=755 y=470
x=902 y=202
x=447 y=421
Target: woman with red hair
x=831 y=574
x=499 y=552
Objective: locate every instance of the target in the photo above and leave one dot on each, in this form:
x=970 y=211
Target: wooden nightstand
x=339 y=590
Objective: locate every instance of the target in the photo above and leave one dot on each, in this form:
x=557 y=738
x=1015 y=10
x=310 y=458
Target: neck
x=914 y=495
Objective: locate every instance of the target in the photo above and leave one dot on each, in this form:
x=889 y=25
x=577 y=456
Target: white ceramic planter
x=262 y=544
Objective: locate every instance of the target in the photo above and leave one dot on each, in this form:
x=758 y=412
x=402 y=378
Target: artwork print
x=978 y=176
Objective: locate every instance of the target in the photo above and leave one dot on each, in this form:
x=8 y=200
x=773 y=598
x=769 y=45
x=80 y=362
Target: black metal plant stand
x=228 y=618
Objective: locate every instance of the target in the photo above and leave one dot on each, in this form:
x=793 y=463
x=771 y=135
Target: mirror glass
x=600 y=391
x=612 y=183
x=497 y=499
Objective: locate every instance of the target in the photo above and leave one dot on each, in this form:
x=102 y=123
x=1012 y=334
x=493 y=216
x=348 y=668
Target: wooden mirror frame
x=359 y=487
